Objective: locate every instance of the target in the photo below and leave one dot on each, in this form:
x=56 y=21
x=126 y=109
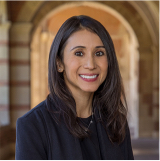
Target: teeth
x=88 y=77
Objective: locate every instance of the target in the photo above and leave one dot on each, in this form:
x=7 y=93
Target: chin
x=90 y=89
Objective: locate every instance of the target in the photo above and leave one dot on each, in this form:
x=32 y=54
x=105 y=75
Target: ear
x=60 y=66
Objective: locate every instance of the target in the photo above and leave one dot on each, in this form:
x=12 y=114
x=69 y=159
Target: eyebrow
x=85 y=47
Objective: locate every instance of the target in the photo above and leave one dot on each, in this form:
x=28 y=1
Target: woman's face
x=84 y=62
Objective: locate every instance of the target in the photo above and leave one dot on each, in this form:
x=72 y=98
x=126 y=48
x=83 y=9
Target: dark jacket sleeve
x=30 y=139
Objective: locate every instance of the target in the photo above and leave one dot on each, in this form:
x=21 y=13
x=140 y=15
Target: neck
x=83 y=104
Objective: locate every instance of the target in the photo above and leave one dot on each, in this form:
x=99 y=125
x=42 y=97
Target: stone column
x=35 y=67
x=4 y=82
x=4 y=66
x=43 y=66
x=146 y=92
x=133 y=104
x=155 y=95
x=19 y=70
x=40 y=48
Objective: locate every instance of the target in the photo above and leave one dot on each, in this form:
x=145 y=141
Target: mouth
x=89 y=77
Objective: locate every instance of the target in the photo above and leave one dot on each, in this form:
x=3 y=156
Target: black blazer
x=38 y=136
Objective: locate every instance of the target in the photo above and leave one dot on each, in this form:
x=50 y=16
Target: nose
x=90 y=63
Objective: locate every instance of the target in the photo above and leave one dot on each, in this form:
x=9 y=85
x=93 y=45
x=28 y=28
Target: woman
x=84 y=116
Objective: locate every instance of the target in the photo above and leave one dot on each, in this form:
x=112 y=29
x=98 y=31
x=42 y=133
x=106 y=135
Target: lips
x=89 y=77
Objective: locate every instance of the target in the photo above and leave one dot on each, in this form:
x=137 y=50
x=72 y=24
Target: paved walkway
x=145 y=149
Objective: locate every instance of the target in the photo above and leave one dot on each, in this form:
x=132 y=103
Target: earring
x=59 y=69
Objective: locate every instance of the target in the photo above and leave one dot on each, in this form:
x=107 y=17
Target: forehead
x=84 y=37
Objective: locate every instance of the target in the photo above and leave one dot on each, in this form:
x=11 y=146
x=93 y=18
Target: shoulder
x=40 y=116
x=36 y=111
x=32 y=133
x=36 y=116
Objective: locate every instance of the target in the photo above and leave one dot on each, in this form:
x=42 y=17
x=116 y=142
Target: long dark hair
x=109 y=101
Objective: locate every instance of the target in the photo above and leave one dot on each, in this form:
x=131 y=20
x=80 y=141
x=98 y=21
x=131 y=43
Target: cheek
x=71 y=66
x=104 y=66
x=104 y=70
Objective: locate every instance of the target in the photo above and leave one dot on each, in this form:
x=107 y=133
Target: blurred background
x=27 y=29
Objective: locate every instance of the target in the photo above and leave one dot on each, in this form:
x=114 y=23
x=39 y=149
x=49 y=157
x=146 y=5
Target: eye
x=79 y=53
x=99 y=53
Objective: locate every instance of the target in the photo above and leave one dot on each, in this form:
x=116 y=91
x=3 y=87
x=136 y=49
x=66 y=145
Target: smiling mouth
x=89 y=77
